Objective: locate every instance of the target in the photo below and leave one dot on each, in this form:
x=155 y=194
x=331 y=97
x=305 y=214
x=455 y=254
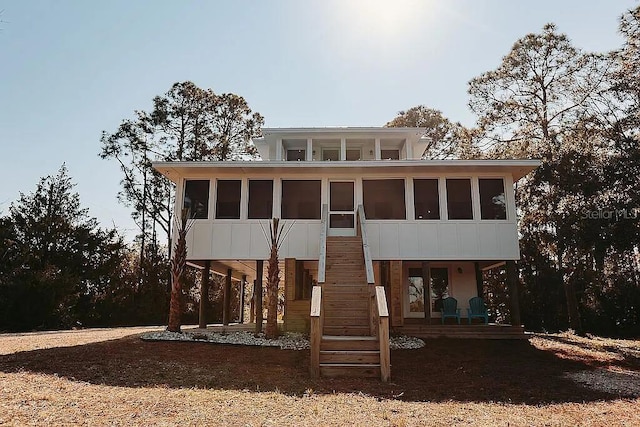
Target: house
x=373 y=225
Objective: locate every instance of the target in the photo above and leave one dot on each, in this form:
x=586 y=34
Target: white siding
x=388 y=239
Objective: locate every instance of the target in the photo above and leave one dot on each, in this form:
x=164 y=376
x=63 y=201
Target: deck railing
x=315 y=333
x=324 y=228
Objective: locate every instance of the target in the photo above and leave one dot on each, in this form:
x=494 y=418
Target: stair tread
x=351 y=365
x=349 y=338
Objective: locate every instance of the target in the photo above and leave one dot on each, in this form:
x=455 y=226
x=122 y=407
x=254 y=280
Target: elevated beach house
x=380 y=239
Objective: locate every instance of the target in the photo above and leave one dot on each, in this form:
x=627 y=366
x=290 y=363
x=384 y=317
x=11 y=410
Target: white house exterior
x=436 y=221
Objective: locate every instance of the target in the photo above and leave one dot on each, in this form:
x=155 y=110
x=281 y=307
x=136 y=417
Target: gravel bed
x=287 y=341
x=619 y=382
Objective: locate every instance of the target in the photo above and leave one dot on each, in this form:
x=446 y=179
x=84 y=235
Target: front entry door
x=417 y=295
x=342 y=208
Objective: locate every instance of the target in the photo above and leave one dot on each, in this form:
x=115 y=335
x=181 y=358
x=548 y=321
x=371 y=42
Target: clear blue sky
x=70 y=69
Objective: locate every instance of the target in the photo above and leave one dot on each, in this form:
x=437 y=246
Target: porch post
x=258 y=295
x=479 y=280
x=252 y=305
x=426 y=288
x=512 y=283
x=242 y=289
x=226 y=307
x=204 y=295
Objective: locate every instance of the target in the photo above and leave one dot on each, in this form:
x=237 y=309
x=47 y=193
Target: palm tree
x=178 y=265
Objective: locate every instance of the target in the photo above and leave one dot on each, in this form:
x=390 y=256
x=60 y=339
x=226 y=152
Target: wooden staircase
x=347 y=347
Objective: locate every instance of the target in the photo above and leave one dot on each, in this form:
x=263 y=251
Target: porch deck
x=477 y=331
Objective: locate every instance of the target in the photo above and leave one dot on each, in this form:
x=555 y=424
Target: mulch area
x=474 y=380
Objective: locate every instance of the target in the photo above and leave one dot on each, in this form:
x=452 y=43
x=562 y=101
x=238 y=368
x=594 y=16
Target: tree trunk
x=178 y=264
x=570 y=295
x=204 y=295
x=273 y=280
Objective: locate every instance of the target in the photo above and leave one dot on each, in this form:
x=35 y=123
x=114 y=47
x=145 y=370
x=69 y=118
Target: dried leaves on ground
x=113 y=377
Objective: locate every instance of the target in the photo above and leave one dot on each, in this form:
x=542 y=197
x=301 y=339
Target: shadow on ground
x=446 y=369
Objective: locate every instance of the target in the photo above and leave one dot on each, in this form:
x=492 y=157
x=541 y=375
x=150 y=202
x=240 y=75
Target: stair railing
x=380 y=316
x=379 y=313
x=315 y=334
x=362 y=232
x=324 y=228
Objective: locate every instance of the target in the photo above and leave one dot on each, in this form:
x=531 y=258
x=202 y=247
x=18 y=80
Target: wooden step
x=333 y=370
x=346 y=330
x=350 y=356
x=345 y=321
x=348 y=312
x=347 y=296
x=354 y=343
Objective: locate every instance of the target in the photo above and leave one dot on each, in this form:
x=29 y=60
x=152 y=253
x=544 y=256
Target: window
x=459 y=199
x=301 y=199
x=390 y=154
x=196 y=198
x=260 y=199
x=439 y=287
x=332 y=154
x=296 y=155
x=416 y=291
x=427 y=202
x=493 y=204
x=228 y=199
x=384 y=199
x=354 y=154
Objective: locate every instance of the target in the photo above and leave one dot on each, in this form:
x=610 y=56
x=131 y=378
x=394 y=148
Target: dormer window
x=354 y=154
x=390 y=154
x=296 y=155
x=331 y=154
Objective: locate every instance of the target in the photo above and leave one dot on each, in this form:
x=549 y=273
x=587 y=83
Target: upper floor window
x=493 y=204
x=332 y=154
x=228 y=199
x=296 y=155
x=260 y=199
x=390 y=154
x=301 y=199
x=354 y=154
x=459 y=199
x=427 y=201
x=196 y=198
x=384 y=199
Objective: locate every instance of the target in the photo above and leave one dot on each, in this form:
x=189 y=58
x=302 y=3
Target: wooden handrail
x=380 y=314
x=315 y=333
x=368 y=263
x=324 y=227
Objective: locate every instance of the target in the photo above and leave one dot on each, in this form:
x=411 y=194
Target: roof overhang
x=176 y=170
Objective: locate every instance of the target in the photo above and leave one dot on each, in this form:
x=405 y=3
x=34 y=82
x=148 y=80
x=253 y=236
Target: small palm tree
x=178 y=265
x=277 y=235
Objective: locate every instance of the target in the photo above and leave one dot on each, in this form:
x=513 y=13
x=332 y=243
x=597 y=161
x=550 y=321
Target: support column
x=377 y=153
x=226 y=306
x=309 y=152
x=204 y=295
x=479 y=280
x=512 y=283
x=258 y=293
x=343 y=149
x=242 y=289
x=252 y=305
x=426 y=288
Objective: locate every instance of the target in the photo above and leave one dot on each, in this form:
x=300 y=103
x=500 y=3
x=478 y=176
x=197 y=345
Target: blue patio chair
x=477 y=309
x=450 y=309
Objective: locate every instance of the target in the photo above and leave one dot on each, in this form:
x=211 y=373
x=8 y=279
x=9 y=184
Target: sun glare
x=385 y=19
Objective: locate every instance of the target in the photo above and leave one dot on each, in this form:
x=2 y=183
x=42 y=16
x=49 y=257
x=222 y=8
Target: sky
x=70 y=69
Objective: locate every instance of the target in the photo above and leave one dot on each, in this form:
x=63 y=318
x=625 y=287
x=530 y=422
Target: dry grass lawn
x=110 y=376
